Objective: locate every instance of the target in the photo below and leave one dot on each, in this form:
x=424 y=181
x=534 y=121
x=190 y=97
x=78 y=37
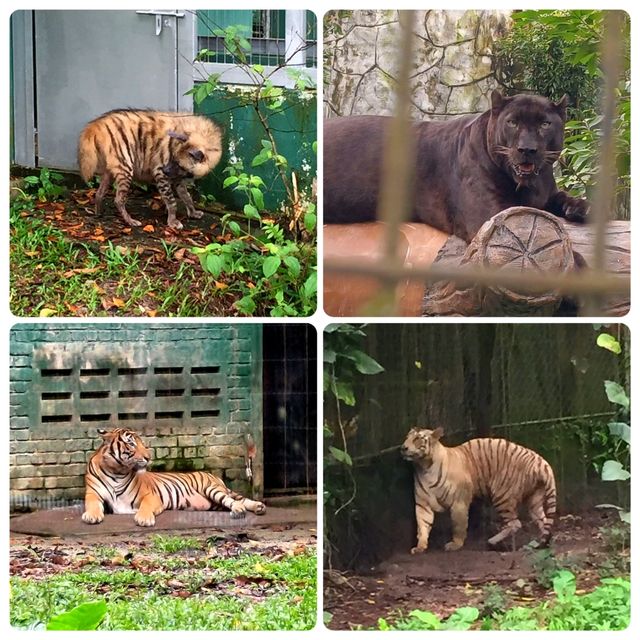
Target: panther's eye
x=545 y=125
x=512 y=123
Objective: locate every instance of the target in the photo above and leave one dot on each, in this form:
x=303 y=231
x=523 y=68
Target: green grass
x=607 y=607
x=54 y=275
x=174 y=544
x=211 y=601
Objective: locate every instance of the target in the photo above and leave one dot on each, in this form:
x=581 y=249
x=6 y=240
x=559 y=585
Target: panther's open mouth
x=526 y=169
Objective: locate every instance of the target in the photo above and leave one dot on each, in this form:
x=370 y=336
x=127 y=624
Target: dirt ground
x=441 y=582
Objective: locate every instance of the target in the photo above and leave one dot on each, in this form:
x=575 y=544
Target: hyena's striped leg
x=459 y=520
x=424 y=518
x=105 y=184
x=185 y=196
x=259 y=508
x=508 y=512
x=166 y=191
x=123 y=184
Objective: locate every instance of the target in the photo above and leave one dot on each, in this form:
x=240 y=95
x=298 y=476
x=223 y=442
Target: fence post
x=295 y=30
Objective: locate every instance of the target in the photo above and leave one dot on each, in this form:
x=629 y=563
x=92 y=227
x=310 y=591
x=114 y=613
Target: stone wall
x=192 y=392
x=453 y=69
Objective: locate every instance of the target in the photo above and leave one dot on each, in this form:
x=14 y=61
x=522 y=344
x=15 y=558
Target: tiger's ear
x=436 y=434
x=103 y=433
x=178 y=136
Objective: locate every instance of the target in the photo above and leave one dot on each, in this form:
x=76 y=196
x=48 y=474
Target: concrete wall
x=453 y=69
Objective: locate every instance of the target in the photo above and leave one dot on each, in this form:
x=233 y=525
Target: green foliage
x=174 y=544
x=553 y=52
x=270 y=264
x=613 y=469
x=84 y=617
x=274 y=275
x=138 y=600
x=608 y=607
x=45 y=186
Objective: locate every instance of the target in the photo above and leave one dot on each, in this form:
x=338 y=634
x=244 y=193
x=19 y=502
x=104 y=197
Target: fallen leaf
x=118 y=302
x=46 y=313
x=221 y=285
x=98 y=289
x=149 y=228
x=152 y=313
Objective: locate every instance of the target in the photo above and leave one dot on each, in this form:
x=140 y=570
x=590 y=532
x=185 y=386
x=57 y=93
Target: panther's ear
x=561 y=106
x=436 y=434
x=497 y=100
x=178 y=136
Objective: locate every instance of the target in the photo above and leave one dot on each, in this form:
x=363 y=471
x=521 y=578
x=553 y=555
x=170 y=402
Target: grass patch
x=607 y=607
x=247 y=592
x=174 y=544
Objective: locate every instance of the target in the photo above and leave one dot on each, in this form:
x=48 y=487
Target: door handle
x=159 y=15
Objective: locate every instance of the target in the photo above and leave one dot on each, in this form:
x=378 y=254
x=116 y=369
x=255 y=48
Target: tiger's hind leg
x=460 y=521
x=508 y=512
x=233 y=501
x=535 y=507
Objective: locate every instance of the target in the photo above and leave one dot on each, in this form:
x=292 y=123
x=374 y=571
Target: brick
x=240 y=370
x=161 y=452
x=23 y=446
x=60 y=482
x=236 y=427
x=236 y=405
x=222 y=439
x=240 y=416
x=79 y=456
x=21 y=374
x=198 y=464
x=20 y=484
x=189 y=441
x=20 y=361
x=189 y=453
x=162 y=441
x=19 y=423
x=19 y=387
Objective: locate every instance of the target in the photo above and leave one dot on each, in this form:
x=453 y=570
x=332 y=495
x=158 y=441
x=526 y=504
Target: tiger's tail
x=549 y=506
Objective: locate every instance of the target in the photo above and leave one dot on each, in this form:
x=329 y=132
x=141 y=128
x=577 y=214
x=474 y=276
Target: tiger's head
x=419 y=444
x=123 y=451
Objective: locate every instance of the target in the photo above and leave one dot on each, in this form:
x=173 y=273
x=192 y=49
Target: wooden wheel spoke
x=515 y=237
x=544 y=247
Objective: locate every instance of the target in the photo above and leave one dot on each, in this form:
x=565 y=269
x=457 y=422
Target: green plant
x=553 y=52
x=46 y=185
x=271 y=273
x=269 y=265
x=614 y=469
x=545 y=565
x=84 y=617
x=174 y=544
x=494 y=599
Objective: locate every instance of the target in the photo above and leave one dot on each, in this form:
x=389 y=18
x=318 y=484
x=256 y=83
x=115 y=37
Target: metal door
x=83 y=63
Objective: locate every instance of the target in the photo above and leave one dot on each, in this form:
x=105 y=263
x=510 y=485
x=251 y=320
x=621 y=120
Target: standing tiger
x=117 y=477
x=450 y=477
x=151 y=146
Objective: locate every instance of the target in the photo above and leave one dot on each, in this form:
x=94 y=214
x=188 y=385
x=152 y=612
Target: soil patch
x=441 y=582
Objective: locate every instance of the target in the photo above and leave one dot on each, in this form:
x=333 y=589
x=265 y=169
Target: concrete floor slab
x=68 y=522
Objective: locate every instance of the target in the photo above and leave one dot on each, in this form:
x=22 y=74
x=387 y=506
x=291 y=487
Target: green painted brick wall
x=48 y=454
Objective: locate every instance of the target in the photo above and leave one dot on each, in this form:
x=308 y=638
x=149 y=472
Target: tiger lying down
x=117 y=477
x=450 y=477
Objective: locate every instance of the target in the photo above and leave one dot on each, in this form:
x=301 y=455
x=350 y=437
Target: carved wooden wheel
x=523 y=239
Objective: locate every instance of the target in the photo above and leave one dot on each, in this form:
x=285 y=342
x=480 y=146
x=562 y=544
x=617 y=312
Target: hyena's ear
x=197 y=155
x=436 y=434
x=178 y=136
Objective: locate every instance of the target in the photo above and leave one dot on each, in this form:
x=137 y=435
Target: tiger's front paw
x=196 y=213
x=145 y=519
x=261 y=508
x=417 y=550
x=91 y=517
x=238 y=510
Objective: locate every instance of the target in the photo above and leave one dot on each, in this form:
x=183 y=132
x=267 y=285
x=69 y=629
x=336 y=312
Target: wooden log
x=521 y=236
x=352 y=295
x=526 y=238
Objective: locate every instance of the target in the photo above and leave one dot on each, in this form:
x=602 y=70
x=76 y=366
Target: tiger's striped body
x=448 y=478
x=150 y=146
x=116 y=477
